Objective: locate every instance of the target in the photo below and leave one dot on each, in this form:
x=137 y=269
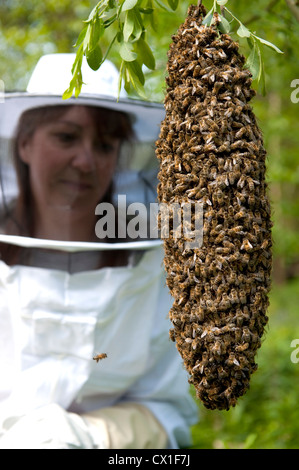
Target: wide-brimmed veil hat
x=50 y=79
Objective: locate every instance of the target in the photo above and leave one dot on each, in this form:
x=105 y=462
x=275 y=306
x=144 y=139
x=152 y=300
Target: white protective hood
x=52 y=321
x=136 y=175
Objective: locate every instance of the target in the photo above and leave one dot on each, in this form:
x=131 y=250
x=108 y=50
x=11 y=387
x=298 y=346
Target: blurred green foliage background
x=268 y=415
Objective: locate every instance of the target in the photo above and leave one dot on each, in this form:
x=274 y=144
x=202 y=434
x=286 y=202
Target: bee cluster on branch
x=211 y=151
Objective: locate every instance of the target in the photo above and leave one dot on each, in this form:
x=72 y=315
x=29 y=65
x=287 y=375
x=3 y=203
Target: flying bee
x=99 y=357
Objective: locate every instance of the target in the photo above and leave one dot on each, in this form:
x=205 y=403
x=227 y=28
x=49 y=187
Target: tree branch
x=294 y=8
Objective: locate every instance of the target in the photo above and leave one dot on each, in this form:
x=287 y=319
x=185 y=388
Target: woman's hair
x=108 y=122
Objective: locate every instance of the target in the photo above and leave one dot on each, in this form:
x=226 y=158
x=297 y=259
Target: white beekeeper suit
x=52 y=322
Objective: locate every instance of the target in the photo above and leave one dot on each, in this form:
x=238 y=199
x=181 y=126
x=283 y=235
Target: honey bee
x=231 y=360
x=233 y=176
x=241 y=132
x=241 y=182
x=234 y=257
x=246 y=336
x=232 y=278
x=177 y=166
x=228 y=113
x=217 y=348
x=242 y=296
x=234 y=296
x=238 y=334
x=241 y=214
x=242 y=347
x=219 y=196
x=225 y=302
x=247 y=246
x=204 y=383
x=99 y=357
x=251 y=200
x=222 y=374
x=236 y=231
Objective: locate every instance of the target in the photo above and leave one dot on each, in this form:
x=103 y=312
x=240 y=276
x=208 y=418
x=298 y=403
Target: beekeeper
x=86 y=360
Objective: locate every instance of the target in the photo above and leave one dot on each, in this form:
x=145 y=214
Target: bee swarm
x=211 y=151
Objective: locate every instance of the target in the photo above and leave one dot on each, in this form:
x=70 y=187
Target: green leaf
x=253 y=61
x=94 y=58
x=261 y=76
x=78 y=60
x=173 y=4
x=126 y=52
x=87 y=37
x=68 y=93
x=81 y=37
x=136 y=78
x=163 y=6
x=129 y=4
x=224 y=25
x=129 y=24
x=243 y=32
x=97 y=31
x=145 y=53
x=138 y=23
x=209 y=18
x=109 y=21
x=269 y=44
x=93 y=13
x=136 y=70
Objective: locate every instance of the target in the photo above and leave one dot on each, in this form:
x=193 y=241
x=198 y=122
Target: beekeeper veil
x=125 y=218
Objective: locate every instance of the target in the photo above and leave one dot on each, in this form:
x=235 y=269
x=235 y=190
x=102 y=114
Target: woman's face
x=70 y=165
